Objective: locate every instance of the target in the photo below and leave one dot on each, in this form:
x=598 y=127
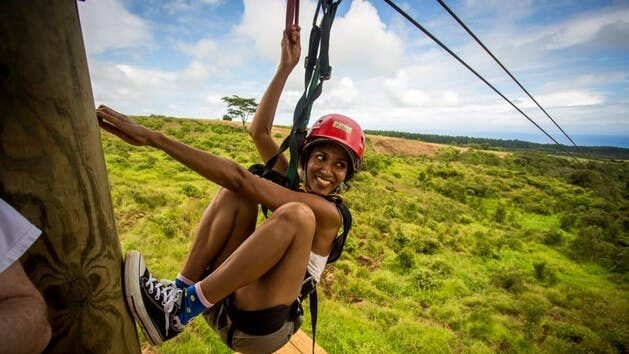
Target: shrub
x=382 y=224
x=596 y=217
x=567 y=221
x=500 y=214
x=424 y=279
x=148 y=163
x=483 y=247
x=543 y=273
x=552 y=237
x=441 y=267
x=533 y=308
x=590 y=245
x=167 y=224
x=190 y=191
x=509 y=278
x=428 y=245
x=399 y=241
x=406 y=259
x=585 y=178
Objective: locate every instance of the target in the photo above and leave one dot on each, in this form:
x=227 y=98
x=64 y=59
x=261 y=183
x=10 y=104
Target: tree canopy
x=240 y=107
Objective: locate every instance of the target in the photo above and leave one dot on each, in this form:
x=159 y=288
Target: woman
x=246 y=279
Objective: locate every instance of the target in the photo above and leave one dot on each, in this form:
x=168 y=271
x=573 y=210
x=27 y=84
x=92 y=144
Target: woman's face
x=326 y=168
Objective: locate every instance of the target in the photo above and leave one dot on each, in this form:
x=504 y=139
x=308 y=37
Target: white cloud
x=594 y=26
x=214 y=99
x=361 y=42
x=215 y=56
x=107 y=25
x=570 y=99
x=204 y=48
x=263 y=21
x=400 y=93
x=586 y=80
x=450 y=98
x=196 y=72
x=340 y=92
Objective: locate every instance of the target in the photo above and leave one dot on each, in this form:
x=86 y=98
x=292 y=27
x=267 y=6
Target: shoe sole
x=133 y=268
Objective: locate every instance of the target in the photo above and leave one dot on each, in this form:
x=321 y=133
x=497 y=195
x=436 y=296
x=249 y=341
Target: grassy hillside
x=459 y=251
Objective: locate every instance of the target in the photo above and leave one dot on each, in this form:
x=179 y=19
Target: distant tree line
x=608 y=152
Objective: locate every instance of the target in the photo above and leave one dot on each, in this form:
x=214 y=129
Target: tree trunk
x=52 y=170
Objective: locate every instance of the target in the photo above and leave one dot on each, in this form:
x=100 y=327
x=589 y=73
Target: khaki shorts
x=217 y=319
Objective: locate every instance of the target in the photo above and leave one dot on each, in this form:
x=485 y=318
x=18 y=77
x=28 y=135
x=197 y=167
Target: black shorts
x=261 y=331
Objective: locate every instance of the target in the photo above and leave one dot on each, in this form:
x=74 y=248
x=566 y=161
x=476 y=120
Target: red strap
x=292 y=13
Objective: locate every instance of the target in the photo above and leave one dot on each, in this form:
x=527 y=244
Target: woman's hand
x=123 y=127
x=291 y=47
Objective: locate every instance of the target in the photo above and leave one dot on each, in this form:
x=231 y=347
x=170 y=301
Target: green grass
x=460 y=252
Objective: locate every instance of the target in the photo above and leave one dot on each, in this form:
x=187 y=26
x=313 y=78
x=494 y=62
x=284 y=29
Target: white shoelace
x=168 y=291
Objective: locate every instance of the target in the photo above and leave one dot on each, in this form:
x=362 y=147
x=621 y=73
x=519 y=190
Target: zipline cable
x=427 y=33
x=443 y=4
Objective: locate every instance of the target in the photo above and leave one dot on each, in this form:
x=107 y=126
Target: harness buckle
x=326 y=73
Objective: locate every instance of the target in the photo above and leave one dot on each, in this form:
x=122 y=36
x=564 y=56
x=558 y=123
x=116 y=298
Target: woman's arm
x=262 y=123
x=221 y=171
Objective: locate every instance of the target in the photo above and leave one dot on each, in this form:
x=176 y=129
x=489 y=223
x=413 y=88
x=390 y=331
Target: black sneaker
x=154 y=304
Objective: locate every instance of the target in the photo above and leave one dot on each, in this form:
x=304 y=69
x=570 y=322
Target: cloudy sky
x=180 y=57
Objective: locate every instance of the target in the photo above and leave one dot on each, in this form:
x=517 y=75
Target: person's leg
x=225 y=224
x=268 y=267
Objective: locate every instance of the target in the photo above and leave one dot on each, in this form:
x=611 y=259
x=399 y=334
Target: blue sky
x=180 y=57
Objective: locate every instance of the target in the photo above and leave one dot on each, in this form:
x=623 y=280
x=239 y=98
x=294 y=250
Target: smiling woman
x=247 y=280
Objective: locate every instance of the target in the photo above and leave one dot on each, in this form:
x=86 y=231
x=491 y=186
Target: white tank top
x=316 y=265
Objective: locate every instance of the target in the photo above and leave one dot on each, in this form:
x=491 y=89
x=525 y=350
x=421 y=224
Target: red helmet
x=340 y=129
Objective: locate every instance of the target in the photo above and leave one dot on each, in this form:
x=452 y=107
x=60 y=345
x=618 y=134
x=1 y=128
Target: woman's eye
x=320 y=157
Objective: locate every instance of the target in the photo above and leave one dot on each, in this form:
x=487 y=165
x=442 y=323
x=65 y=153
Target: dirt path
x=404 y=147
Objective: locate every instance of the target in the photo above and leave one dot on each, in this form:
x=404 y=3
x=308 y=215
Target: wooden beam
x=300 y=343
x=52 y=170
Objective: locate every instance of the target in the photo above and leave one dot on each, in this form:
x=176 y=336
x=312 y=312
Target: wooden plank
x=300 y=343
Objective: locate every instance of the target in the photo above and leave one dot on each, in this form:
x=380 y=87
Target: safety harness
x=318 y=70
x=309 y=285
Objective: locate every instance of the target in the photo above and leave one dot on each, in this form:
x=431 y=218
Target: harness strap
x=314 y=304
x=339 y=242
x=317 y=70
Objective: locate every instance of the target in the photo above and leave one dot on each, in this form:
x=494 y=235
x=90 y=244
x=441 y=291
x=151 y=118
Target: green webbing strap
x=300 y=125
x=317 y=70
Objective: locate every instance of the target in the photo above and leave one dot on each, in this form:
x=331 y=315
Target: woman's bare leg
x=268 y=267
x=225 y=224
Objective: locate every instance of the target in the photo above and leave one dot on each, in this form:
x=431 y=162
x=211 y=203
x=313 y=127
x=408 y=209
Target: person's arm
x=24 y=326
x=262 y=123
x=221 y=171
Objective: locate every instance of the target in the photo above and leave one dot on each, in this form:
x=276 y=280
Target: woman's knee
x=297 y=214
